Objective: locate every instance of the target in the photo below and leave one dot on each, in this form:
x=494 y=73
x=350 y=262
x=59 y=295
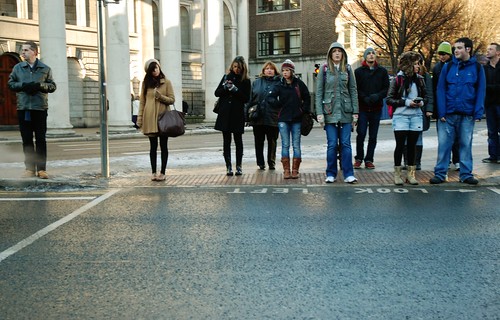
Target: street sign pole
x=102 y=94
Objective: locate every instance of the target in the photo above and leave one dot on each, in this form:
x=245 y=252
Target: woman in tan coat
x=156 y=97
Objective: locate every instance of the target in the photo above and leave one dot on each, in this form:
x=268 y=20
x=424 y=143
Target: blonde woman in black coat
x=233 y=92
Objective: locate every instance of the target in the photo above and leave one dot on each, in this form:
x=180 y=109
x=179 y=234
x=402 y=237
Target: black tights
x=153 y=143
x=410 y=137
x=238 y=141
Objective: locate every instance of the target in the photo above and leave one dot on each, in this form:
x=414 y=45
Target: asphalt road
x=251 y=252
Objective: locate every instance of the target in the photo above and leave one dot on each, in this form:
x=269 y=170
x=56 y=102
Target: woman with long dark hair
x=233 y=92
x=156 y=97
x=407 y=94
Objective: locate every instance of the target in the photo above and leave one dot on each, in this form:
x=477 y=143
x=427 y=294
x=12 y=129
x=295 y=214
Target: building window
x=279 y=42
x=347 y=36
x=185 y=29
x=277 y=5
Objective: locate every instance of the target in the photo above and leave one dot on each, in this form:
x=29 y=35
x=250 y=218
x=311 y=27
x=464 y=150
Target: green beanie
x=445 y=47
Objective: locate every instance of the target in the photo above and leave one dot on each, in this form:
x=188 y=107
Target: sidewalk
x=70 y=176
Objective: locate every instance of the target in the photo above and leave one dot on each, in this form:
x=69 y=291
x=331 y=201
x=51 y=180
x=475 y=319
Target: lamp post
x=102 y=90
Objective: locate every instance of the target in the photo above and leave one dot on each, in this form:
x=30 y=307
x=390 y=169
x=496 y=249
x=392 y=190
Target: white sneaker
x=330 y=179
x=351 y=179
x=457 y=166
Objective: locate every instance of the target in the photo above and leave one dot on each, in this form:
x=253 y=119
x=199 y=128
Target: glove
x=321 y=119
x=32 y=88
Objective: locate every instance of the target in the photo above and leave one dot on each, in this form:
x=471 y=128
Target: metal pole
x=102 y=97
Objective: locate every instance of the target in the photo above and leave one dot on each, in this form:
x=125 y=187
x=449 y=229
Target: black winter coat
x=231 y=117
x=263 y=90
x=492 y=85
x=372 y=85
x=291 y=106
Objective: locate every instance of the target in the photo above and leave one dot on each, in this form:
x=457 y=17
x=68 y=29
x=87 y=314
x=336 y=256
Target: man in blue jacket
x=460 y=94
x=32 y=80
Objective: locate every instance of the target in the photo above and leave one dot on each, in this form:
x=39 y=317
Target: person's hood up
x=336 y=45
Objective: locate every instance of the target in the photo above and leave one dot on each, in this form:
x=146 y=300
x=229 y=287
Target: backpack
x=390 y=108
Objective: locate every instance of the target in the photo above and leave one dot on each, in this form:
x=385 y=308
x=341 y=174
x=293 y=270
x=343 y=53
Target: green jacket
x=23 y=74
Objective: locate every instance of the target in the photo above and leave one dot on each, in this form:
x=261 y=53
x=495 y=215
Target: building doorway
x=8 y=101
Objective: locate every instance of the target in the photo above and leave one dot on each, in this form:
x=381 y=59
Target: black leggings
x=410 y=139
x=238 y=141
x=153 y=143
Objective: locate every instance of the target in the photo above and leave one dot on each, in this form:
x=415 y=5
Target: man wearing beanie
x=372 y=82
x=444 y=55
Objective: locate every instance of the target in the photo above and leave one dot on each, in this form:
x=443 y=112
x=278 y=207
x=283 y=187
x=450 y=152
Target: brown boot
x=295 y=167
x=286 y=168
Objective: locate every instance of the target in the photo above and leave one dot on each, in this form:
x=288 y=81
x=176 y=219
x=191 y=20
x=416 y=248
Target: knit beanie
x=288 y=64
x=367 y=51
x=148 y=63
x=445 y=47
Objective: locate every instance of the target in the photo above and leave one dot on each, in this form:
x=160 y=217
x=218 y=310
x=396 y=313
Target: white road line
x=51 y=227
x=47 y=199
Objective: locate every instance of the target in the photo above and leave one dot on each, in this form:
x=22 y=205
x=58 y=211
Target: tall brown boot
x=295 y=167
x=286 y=168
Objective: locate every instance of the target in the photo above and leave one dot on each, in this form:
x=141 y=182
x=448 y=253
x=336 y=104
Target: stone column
x=243 y=30
x=170 y=46
x=53 y=53
x=118 y=68
x=214 y=53
x=146 y=34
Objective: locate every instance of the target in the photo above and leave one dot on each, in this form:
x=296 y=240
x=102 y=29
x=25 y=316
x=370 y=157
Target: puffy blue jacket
x=461 y=89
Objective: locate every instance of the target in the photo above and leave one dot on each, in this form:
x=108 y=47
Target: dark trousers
x=35 y=154
x=260 y=133
x=238 y=141
x=410 y=139
x=493 y=124
x=368 y=122
x=153 y=144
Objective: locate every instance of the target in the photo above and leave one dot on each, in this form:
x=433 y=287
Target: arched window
x=185 y=28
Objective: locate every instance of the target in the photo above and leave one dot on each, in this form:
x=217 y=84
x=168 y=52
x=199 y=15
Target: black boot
x=229 y=167
x=418 y=157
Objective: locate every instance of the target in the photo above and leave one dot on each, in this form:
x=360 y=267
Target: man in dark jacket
x=460 y=97
x=32 y=80
x=492 y=102
x=372 y=82
x=444 y=55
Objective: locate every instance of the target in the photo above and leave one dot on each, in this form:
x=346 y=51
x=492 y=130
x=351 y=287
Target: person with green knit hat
x=444 y=55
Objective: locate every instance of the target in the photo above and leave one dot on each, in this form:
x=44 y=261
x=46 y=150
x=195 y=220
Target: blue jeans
x=368 y=121
x=493 y=124
x=288 y=129
x=461 y=127
x=336 y=134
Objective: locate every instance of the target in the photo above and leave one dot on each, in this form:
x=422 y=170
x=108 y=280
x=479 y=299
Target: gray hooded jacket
x=336 y=93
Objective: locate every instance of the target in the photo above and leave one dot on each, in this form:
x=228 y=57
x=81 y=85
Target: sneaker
x=262 y=167
x=351 y=180
x=153 y=177
x=28 y=174
x=435 y=180
x=489 y=160
x=457 y=166
x=42 y=174
x=161 y=177
x=357 y=164
x=330 y=179
x=471 y=180
x=369 y=165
